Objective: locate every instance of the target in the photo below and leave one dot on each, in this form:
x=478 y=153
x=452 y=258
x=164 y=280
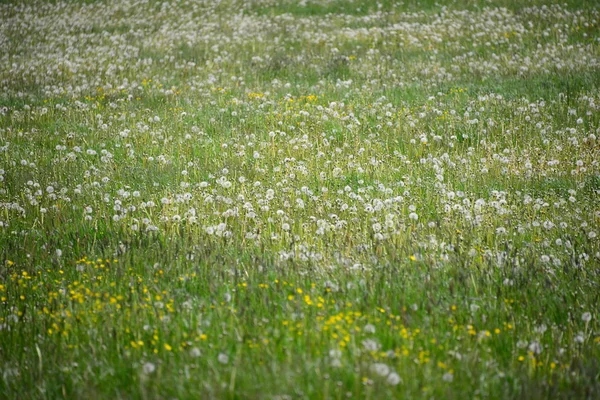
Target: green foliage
x=283 y=199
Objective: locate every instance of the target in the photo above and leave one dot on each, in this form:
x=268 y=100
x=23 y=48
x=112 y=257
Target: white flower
x=413 y=216
x=380 y=369
x=195 y=352
x=369 y=328
x=393 y=379
x=541 y=329
x=370 y=345
x=586 y=317
x=223 y=358
x=535 y=347
x=448 y=377
x=148 y=368
x=335 y=353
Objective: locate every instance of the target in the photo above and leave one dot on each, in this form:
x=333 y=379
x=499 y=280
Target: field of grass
x=299 y=199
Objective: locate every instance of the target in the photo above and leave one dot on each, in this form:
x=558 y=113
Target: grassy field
x=299 y=199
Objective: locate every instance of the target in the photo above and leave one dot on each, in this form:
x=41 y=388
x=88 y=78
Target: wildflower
x=335 y=353
x=369 y=328
x=148 y=368
x=393 y=379
x=370 y=345
x=195 y=352
x=586 y=317
x=380 y=369
x=535 y=347
x=223 y=358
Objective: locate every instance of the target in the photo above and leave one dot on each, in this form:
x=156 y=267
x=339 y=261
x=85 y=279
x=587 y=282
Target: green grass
x=341 y=199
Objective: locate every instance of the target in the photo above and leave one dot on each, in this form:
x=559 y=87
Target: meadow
x=299 y=199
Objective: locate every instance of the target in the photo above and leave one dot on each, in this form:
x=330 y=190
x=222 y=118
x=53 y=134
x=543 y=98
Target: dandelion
x=371 y=345
x=586 y=317
x=393 y=379
x=535 y=347
x=380 y=369
x=223 y=358
x=448 y=377
x=148 y=368
x=195 y=352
